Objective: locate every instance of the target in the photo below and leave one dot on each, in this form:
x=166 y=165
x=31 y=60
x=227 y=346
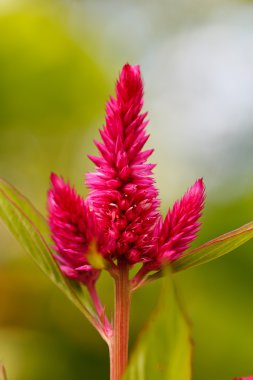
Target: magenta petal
x=181 y=224
x=72 y=230
x=123 y=200
x=123 y=195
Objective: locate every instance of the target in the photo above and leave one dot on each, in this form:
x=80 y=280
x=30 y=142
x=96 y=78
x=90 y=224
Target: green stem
x=119 y=342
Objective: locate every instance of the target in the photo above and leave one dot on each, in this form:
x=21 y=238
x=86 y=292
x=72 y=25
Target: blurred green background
x=58 y=64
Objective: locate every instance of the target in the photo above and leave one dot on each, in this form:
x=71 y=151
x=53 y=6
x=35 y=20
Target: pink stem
x=139 y=278
x=100 y=310
x=119 y=342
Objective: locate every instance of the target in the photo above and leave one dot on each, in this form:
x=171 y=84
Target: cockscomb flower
x=180 y=225
x=122 y=209
x=244 y=378
x=72 y=228
x=123 y=195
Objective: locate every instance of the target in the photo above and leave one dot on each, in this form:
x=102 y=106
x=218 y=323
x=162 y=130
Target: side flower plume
x=123 y=203
x=72 y=228
x=181 y=224
x=244 y=378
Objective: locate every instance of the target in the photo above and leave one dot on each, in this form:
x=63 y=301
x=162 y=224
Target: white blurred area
x=201 y=94
x=197 y=63
x=196 y=58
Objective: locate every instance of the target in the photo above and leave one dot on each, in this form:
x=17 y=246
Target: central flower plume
x=123 y=205
x=123 y=195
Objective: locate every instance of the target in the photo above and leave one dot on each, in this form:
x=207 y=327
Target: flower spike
x=123 y=201
x=72 y=229
x=123 y=195
x=181 y=224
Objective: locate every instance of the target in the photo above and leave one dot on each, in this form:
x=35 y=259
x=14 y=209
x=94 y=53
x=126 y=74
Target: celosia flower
x=123 y=200
x=244 y=378
x=180 y=226
x=123 y=195
x=72 y=228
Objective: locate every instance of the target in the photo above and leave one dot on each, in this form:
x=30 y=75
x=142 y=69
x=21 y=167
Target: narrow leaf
x=214 y=248
x=27 y=208
x=26 y=230
x=164 y=350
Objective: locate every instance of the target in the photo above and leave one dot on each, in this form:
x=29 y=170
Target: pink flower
x=244 y=378
x=181 y=224
x=123 y=195
x=72 y=228
x=122 y=209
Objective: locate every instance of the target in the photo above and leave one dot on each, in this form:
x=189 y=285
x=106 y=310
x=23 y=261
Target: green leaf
x=214 y=248
x=27 y=208
x=164 y=350
x=27 y=225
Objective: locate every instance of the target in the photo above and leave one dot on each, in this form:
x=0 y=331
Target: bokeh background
x=58 y=64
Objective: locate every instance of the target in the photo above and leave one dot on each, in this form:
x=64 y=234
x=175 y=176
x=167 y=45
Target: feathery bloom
x=123 y=195
x=72 y=229
x=121 y=212
x=180 y=225
x=244 y=378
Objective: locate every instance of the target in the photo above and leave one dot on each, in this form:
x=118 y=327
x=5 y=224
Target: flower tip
x=55 y=180
x=202 y=184
x=130 y=78
x=53 y=177
x=130 y=69
x=198 y=188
